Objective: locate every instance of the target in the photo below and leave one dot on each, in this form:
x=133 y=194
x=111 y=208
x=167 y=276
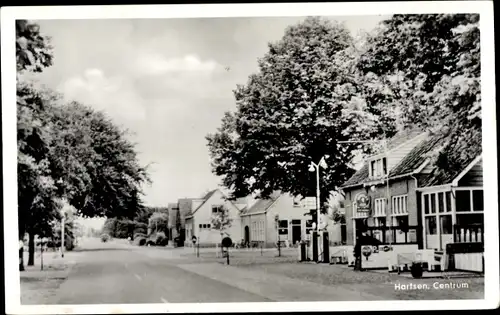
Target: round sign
x=227 y=242
x=194 y=239
x=362 y=202
x=366 y=250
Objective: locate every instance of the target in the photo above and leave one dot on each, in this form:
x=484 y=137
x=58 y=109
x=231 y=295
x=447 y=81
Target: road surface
x=120 y=273
x=141 y=275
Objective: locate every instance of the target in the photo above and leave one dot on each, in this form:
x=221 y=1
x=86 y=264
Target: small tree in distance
x=221 y=221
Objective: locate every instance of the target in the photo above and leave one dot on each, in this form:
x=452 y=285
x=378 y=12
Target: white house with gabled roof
x=198 y=213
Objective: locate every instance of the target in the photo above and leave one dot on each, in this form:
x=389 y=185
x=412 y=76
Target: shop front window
x=448 y=200
x=433 y=203
x=473 y=218
x=430 y=225
x=441 y=205
x=463 y=200
x=426 y=204
x=446 y=224
x=478 y=200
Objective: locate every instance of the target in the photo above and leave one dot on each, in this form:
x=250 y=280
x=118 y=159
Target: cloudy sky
x=165 y=80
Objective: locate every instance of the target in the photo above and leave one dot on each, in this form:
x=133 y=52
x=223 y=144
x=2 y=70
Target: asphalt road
x=128 y=275
x=119 y=273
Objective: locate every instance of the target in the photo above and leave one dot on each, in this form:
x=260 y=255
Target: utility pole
x=63 y=223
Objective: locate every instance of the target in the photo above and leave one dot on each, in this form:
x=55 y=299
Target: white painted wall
x=204 y=214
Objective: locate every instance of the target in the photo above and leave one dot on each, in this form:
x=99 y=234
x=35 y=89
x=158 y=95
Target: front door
x=296 y=231
x=247 y=234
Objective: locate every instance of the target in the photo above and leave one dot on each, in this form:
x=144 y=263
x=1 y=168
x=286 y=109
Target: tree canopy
x=294 y=110
x=158 y=222
x=430 y=64
x=221 y=220
x=318 y=85
x=66 y=152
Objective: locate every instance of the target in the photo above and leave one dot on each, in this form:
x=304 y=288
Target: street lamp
x=313 y=167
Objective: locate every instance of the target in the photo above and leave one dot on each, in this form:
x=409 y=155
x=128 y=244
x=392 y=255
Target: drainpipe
x=416 y=181
x=423 y=219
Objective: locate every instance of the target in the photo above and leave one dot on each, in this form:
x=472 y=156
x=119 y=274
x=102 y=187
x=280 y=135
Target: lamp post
x=313 y=167
x=63 y=223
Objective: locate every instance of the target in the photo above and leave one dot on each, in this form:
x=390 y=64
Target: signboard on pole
x=362 y=202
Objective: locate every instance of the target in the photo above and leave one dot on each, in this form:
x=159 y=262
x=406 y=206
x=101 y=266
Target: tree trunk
x=21 y=250
x=31 y=249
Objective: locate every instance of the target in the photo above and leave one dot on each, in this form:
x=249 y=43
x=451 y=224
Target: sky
x=165 y=80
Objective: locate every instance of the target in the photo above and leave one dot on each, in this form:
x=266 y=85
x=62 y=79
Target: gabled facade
x=198 y=217
x=410 y=201
x=259 y=226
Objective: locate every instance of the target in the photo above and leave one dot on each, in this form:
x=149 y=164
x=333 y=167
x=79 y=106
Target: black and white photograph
x=247 y=154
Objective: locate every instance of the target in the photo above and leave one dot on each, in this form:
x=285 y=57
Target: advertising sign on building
x=362 y=202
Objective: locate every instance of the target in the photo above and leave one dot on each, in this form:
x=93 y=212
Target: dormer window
x=378 y=168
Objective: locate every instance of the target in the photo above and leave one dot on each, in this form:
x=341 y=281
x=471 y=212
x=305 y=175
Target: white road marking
x=137 y=276
x=163 y=300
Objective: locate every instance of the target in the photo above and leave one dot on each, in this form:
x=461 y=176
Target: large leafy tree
x=33 y=50
x=37 y=207
x=303 y=100
x=66 y=152
x=96 y=166
x=429 y=66
x=37 y=192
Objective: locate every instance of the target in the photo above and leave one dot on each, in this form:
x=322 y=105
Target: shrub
x=161 y=239
x=105 y=238
x=141 y=241
x=140 y=228
x=150 y=242
x=69 y=243
x=136 y=235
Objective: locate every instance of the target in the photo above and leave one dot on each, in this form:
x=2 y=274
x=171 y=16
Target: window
x=446 y=225
x=380 y=207
x=216 y=209
x=309 y=226
x=400 y=221
x=472 y=218
x=378 y=168
x=204 y=226
x=478 y=200
x=463 y=200
x=430 y=225
x=432 y=199
x=399 y=205
x=441 y=205
x=448 y=201
x=426 y=204
x=283 y=227
x=200 y=226
x=380 y=221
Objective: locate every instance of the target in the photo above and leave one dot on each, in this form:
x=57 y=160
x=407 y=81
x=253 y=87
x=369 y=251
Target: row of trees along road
x=66 y=151
x=319 y=85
